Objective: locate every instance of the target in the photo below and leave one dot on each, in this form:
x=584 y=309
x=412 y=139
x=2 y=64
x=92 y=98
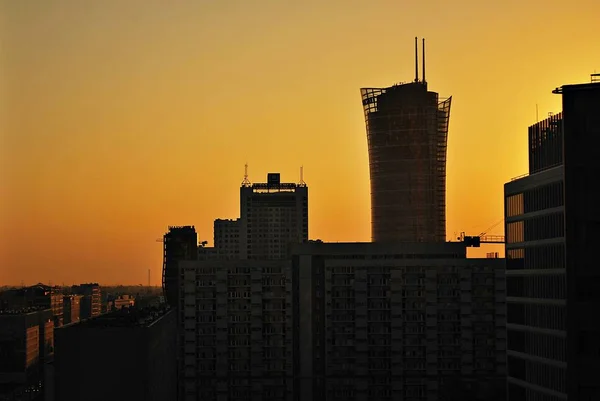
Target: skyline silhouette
x=123 y=119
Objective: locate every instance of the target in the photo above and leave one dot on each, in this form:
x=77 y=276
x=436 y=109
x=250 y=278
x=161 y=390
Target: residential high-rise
x=72 y=308
x=407 y=135
x=274 y=215
x=91 y=301
x=227 y=238
x=398 y=322
x=373 y=322
x=552 y=229
x=180 y=243
x=235 y=330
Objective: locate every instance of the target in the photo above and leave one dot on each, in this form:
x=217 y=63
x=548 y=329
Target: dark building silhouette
x=397 y=321
x=552 y=229
x=72 y=308
x=127 y=354
x=91 y=301
x=274 y=215
x=373 y=322
x=38 y=296
x=180 y=243
x=407 y=134
x=26 y=344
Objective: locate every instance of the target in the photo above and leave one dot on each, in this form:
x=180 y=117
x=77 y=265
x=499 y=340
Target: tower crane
x=475 y=241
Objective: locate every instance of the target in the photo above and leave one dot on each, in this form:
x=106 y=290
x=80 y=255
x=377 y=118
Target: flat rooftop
x=126 y=317
x=401 y=250
x=22 y=311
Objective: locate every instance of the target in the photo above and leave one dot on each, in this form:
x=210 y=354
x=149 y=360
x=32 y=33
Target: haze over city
x=122 y=118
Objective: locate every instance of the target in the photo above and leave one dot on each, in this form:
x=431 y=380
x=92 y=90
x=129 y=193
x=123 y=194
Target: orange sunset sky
x=121 y=117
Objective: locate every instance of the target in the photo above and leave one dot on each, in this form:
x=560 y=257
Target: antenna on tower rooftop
x=302 y=183
x=416 y=60
x=246 y=182
x=424 y=60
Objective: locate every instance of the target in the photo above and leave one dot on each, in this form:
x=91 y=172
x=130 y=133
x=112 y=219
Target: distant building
x=26 y=343
x=274 y=216
x=91 y=302
x=38 y=296
x=136 y=347
x=72 y=308
x=180 y=243
x=123 y=301
x=407 y=135
x=236 y=330
x=227 y=238
x=552 y=220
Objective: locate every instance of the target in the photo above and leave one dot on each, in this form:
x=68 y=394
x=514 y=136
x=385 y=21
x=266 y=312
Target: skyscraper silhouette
x=407 y=134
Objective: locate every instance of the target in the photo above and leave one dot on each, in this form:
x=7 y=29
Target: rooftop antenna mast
x=302 y=183
x=424 y=61
x=416 y=60
x=246 y=182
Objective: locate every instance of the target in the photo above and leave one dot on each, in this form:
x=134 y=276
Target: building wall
x=536 y=286
x=227 y=238
x=581 y=113
x=235 y=330
x=180 y=243
x=115 y=363
x=25 y=341
x=397 y=322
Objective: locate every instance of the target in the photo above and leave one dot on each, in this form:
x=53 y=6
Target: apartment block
x=235 y=328
x=274 y=215
x=407 y=321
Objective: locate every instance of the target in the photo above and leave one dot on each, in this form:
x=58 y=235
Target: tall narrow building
x=180 y=243
x=407 y=134
x=274 y=215
x=552 y=231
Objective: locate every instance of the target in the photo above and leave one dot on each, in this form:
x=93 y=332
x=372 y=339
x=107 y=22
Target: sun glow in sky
x=119 y=118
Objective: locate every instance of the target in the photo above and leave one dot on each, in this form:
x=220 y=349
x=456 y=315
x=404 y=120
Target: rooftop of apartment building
x=22 y=311
x=408 y=250
x=126 y=317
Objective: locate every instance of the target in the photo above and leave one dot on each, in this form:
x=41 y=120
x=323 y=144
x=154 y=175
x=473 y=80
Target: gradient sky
x=119 y=118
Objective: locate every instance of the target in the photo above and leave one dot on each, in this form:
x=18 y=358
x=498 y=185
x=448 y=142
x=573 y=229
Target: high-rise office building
x=407 y=135
x=127 y=354
x=274 y=216
x=180 y=243
x=552 y=229
x=398 y=322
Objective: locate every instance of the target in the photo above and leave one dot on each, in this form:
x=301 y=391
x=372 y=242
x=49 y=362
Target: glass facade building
x=552 y=222
x=407 y=134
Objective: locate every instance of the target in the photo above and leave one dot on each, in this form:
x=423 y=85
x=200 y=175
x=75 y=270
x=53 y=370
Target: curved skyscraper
x=407 y=134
